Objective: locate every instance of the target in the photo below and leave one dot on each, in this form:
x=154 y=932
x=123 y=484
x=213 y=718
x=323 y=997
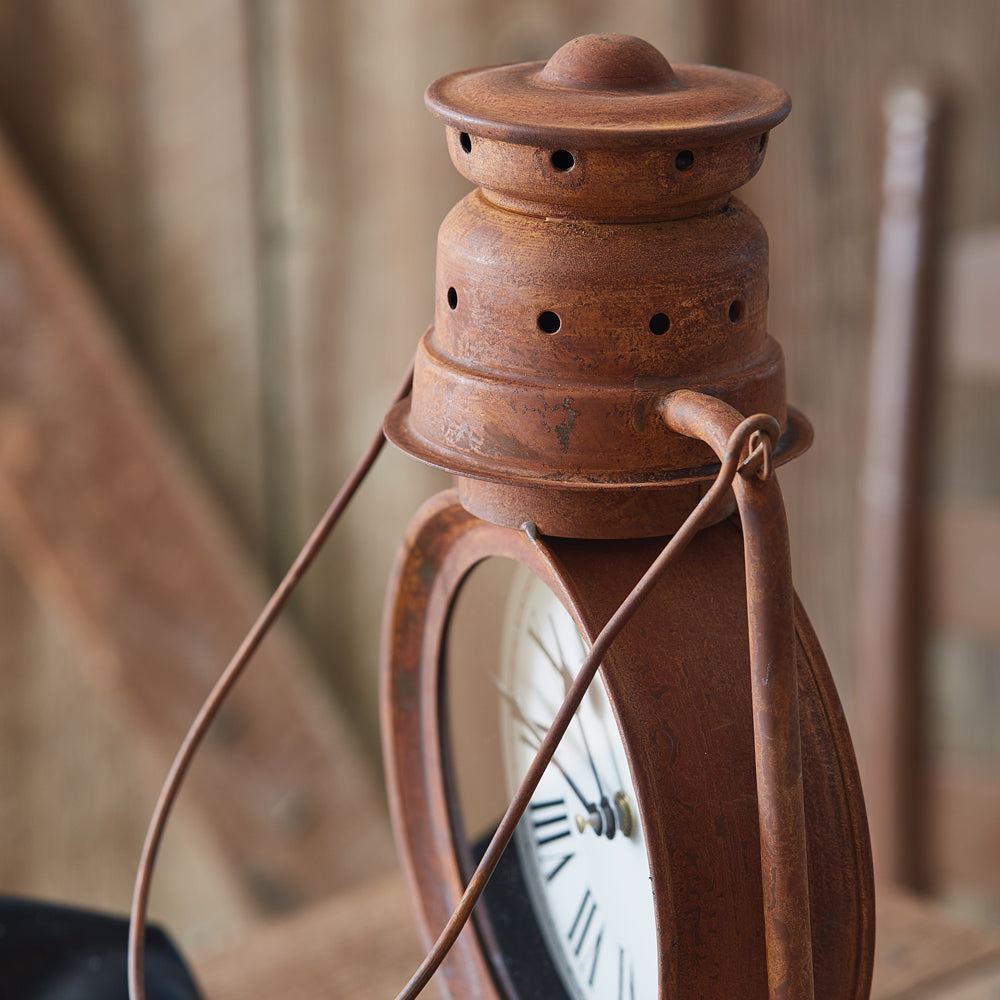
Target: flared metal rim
x=795 y=439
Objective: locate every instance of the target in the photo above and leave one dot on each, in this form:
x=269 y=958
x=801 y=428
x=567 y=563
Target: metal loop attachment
x=706 y=418
x=759 y=462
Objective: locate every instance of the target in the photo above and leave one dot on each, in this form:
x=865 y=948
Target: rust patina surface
x=600 y=328
x=601 y=262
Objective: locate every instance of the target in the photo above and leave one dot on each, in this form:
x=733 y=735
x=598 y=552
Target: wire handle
x=745 y=454
x=774 y=694
x=216 y=697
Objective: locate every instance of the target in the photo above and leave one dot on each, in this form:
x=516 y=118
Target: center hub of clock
x=607 y=819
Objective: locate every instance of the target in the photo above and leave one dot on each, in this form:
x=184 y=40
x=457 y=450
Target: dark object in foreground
x=50 y=952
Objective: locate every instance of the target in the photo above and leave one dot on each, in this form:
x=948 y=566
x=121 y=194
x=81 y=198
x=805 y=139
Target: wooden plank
x=892 y=509
x=361 y=944
x=135 y=121
x=981 y=983
x=197 y=330
x=964 y=568
x=964 y=833
x=108 y=523
x=73 y=801
x=972 y=345
x=920 y=951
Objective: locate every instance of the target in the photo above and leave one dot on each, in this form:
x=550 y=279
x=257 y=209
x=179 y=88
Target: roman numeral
x=550 y=821
x=622 y=994
x=597 y=951
x=586 y=934
x=579 y=917
x=563 y=861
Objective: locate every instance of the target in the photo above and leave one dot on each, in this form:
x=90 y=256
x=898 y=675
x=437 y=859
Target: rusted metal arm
x=770 y=611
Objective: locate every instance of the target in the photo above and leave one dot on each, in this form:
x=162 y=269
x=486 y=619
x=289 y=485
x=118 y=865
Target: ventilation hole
x=452 y=298
x=563 y=159
x=735 y=311
x=684 y=159
x=763 y=143
x=465 y=141
x=549 y=322
x=659 y=324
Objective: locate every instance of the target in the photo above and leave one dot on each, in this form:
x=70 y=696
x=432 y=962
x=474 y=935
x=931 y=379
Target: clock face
x=580 y=843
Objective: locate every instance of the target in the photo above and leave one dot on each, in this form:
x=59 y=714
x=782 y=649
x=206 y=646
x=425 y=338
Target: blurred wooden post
x=891 y=570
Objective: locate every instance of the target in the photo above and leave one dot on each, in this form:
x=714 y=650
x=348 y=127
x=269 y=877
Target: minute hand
x=558 y=664
x=536 y=732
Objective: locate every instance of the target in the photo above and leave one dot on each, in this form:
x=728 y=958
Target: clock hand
x=592 y=811
x=537 y=734
x=558 y=664
x=608 y=817
x=601 y=819
x=584 y=650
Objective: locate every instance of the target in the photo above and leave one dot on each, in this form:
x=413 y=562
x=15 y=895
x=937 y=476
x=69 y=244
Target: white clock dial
x=580 y=842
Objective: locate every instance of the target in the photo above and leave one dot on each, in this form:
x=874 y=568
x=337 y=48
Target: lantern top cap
x=607 y=91
x=608 y=62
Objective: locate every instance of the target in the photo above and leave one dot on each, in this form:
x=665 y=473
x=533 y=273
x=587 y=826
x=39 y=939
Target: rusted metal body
x=600 y=328
x=679 y=671
x=602 y=262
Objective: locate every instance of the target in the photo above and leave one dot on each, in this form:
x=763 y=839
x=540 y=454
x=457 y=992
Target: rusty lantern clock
x=600 y=380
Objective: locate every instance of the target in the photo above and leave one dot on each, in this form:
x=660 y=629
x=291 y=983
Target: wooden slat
x=982 y=983
x=921 y=952
x=197 y=326
x=965 y=831
x=964 y=568
x=363 y=945
x=891 y=557
x=109 y=525
x=970 y=325
x=73 y=798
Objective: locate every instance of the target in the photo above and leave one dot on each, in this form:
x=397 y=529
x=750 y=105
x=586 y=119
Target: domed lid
x=607 y=91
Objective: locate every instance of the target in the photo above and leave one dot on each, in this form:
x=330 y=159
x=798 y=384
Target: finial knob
x=608 y=62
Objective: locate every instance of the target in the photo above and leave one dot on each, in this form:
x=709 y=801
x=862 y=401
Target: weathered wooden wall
x=161 y=215
x=255 y=189
x=819 y=197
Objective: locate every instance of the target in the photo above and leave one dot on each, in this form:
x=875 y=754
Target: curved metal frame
x=687 y=728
